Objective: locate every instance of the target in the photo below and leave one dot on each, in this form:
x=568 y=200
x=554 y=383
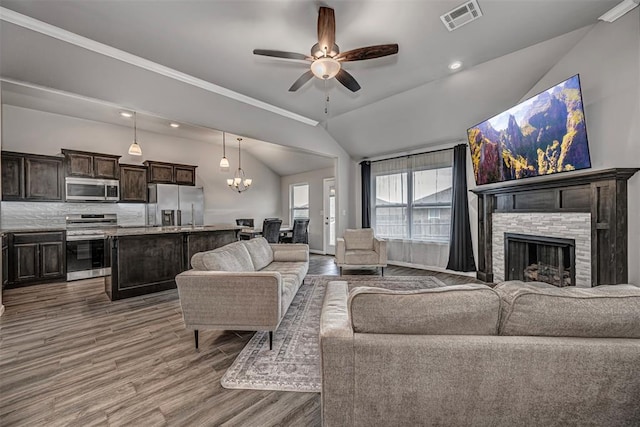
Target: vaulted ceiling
x=408 y=100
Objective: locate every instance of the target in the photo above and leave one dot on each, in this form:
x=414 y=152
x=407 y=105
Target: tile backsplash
x=29 y=215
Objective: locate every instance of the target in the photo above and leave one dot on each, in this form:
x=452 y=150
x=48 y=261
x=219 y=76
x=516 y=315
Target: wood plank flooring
x=71 y=357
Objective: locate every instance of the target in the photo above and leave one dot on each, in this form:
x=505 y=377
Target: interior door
x=329 y=213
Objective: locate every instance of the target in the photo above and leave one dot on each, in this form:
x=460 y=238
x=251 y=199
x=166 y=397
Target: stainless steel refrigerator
x=171 y=204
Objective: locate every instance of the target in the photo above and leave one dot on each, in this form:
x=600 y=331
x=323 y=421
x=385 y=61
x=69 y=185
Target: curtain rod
x=409 y=155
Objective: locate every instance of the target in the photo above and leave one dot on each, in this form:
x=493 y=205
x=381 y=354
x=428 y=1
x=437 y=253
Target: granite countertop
x=135 y=231
x=31 y=230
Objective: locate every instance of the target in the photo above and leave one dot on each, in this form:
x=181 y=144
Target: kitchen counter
x=147 y=259
x=135 y=231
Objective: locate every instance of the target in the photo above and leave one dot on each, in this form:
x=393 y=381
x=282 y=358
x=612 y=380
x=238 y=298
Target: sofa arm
x=340 y=250
x=336 y=357
x=380 y=246
x=230 y=300
x=290 y=252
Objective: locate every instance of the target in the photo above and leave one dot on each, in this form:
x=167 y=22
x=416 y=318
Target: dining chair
x=271 y=230
x=300 y=232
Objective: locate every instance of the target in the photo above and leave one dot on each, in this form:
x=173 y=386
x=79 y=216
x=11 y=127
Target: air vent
x=463 y=14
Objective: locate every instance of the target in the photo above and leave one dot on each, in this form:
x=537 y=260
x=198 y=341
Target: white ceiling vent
x=463 y=14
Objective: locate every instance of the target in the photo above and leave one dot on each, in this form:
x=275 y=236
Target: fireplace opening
x=540 y=259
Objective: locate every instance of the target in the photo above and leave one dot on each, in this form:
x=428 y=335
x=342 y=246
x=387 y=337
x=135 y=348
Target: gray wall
x=39 y=132
x=608 y=60
x=316 y=188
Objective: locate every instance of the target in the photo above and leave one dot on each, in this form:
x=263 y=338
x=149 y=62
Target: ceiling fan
x=326 y=59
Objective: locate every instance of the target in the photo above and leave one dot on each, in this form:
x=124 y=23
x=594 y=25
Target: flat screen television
x=543 y=135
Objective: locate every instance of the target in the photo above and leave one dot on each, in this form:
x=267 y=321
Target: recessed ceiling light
x=126 y=114
x=174 y=125
x=455 y=65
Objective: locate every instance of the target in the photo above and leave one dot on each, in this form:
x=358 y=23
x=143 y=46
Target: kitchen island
x=147 y=259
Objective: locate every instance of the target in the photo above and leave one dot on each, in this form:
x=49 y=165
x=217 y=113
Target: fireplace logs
x=547 y=273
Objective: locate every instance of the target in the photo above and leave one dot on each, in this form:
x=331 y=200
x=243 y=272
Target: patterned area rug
x=294 y=362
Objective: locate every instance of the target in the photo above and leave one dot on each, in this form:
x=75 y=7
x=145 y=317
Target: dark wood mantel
x=602 y=193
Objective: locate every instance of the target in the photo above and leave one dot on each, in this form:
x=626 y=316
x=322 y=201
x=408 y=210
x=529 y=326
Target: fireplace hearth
x=540 y=259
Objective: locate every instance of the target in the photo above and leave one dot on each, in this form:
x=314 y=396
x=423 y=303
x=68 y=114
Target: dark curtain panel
x=460 y=246
x=366 y=194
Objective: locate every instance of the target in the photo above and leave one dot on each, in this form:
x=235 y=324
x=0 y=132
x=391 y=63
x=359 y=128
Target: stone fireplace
x=586 y=209
x=569 y=226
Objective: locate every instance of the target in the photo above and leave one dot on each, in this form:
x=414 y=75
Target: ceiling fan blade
x=281 y=54
x=301 y=81
x=326 y=29
x=369 y=52
x=347 y=81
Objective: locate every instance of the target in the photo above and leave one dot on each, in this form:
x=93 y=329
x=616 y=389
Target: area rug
x=294 y=362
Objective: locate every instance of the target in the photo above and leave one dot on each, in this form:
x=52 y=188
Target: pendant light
x=224 y=162
x=134 y=148
x=239 y=182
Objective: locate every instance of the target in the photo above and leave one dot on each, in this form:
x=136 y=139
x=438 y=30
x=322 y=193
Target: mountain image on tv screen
x=543 y=135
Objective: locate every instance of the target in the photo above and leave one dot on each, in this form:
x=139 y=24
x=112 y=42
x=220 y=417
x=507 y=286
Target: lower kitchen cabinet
x=37 y=257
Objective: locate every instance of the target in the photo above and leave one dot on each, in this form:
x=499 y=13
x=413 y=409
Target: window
x=413 y=197
x=299 y=201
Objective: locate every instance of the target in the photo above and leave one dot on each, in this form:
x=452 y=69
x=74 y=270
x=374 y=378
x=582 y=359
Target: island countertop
x=137 y=231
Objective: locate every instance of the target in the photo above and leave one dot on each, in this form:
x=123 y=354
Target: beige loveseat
x=245 y=285
x=468 y=355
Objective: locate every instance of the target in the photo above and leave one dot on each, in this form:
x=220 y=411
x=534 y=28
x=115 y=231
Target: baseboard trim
x=432 y=268
x=317 y=252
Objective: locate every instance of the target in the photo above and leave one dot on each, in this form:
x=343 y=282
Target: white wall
x=39 y=132
x=316 y=188
x=608 y=60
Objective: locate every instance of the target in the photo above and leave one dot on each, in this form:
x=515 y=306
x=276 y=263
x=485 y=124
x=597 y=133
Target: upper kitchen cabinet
x=32 y=177
x=91 y=165
x=170 y=173
x=133 y=183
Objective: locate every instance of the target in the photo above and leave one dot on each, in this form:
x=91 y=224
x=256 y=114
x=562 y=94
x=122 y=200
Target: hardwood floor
x=69 y=356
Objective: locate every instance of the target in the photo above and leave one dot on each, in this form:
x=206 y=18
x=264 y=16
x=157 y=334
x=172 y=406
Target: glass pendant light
x=134 y=148
x=224 y=162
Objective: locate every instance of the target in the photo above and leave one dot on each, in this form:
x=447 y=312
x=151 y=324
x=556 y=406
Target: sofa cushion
x=471 y=309
x=231 y=257
x=361 y=238
x=260 y=252
x=608 y=311
x=292 y=274
x=361 y=257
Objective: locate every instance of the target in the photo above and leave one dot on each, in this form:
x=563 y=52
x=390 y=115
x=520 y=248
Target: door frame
x=326 y=184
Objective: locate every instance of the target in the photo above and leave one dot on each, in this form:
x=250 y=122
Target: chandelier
x=239 y=182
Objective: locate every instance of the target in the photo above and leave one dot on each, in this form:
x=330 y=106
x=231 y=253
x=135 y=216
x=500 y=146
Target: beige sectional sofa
x=245 y=285
x=520 y=354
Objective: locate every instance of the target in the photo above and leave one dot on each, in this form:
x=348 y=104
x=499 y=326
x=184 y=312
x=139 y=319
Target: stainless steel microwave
x=92 y=190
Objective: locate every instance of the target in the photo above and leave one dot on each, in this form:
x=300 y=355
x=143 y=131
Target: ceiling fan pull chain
x=326 y=102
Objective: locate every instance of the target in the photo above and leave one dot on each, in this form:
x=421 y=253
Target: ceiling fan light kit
x=325 y=68
x=326 y=59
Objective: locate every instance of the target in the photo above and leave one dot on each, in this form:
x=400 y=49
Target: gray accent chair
x=519 y=354
x=359 y=248
x=246 y=285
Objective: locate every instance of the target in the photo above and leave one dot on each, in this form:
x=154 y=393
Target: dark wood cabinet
x=37 y=257
x=91 y=165
x=32 y=177
x=133 y=184
x=5 y=260
x=170 y=173
x=12 y=176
